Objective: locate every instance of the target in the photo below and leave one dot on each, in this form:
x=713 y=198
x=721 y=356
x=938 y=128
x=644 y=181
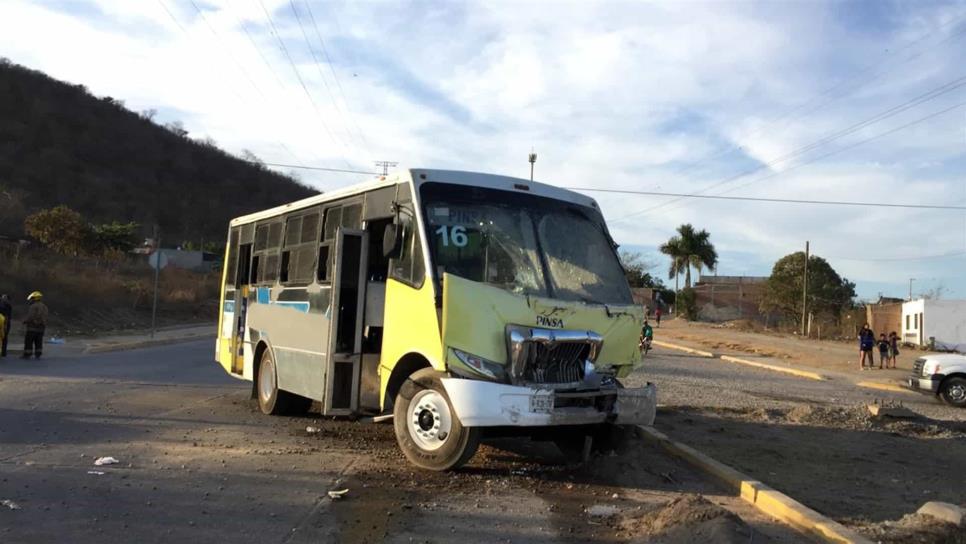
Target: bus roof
x=425 y=175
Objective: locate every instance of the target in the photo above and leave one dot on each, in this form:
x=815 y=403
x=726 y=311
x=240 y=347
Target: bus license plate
x=542 y=403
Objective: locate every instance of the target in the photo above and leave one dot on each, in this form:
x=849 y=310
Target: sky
x=846 y=101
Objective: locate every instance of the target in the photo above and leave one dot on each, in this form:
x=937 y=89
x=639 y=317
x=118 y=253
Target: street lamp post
x=910 y=287
x=532 y=158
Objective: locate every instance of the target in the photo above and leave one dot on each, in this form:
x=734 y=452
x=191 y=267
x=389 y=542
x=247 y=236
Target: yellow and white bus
x=454 y=302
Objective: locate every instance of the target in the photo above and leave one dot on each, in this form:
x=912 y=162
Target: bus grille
x=550 y=356
x=557 y=363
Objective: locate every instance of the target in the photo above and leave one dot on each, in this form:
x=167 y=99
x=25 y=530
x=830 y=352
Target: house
x=723 y=298
x=936 y=323
x=199 y=261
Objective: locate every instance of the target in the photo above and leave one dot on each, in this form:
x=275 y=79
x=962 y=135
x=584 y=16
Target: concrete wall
x=739 y=298
x=884 y=318
x=945 y=320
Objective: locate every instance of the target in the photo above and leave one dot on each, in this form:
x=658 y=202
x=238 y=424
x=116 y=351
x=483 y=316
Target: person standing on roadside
x=6 y=313
x=866 y=343
x=657 y=315
x=893 y=348
x=883 y=351
x=34 y=324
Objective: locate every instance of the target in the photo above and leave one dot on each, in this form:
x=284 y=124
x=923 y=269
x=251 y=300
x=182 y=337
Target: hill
x=59 y=144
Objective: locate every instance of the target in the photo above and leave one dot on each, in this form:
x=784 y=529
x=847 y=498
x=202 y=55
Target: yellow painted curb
x=683 y=348
x=884 y=387
x=764 y=498
x=793 y=371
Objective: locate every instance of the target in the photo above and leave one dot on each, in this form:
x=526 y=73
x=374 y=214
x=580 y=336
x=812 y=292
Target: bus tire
x=271 y=400
x=427 y=429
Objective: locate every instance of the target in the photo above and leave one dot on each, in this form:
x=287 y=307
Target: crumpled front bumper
x=480 y=403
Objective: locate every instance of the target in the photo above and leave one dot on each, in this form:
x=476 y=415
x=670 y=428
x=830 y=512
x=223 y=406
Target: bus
x=453 y=303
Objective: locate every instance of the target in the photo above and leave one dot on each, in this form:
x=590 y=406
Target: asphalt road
x=198 y=463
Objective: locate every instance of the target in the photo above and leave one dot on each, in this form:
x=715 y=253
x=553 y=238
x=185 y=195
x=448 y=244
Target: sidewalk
x=885 y=379
x=78 y=345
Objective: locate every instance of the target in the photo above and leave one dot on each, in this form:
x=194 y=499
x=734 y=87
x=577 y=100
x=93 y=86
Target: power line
x=841 y=84
x=829 y=138
x=298 y=76
x=323 y=169
x=318 y=67
x=338 y=84
x=781 y=200
x=814 y=159
x=897 y=259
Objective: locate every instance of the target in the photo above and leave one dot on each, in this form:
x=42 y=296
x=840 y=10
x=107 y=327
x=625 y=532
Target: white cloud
x=611 y=95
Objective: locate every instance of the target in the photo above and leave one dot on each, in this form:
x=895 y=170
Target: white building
x=942 y=321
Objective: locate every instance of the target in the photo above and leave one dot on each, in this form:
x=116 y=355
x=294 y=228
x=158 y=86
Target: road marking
x=793 y=371
x=686 y=349
x=884 y=387
x=770 y=501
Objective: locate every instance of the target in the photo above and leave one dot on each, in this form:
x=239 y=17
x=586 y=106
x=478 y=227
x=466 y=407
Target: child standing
x=884 y=348
x=893 y=348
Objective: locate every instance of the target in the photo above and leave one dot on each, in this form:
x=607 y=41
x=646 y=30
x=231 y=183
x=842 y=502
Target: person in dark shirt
x=893 y=348
x=883 y=350
x=866 y=343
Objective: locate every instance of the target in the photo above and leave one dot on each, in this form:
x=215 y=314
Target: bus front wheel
x=427 y=429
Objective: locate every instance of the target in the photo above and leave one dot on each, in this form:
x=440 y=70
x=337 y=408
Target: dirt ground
x=638 y=494
x=732 y=339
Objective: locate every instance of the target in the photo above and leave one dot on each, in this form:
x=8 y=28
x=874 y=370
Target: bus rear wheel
x=427 y=429
x=272 y=400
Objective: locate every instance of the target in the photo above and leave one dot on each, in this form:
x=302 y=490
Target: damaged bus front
x=537 y=323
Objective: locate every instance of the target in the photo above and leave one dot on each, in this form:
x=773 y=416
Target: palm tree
x=689 y=248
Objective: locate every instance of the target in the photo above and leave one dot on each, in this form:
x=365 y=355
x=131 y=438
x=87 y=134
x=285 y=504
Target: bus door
x=242 y=281
x=345 y=327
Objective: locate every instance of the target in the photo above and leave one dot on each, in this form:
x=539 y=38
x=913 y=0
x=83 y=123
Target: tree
x=61 y=229
x=114 y=236
x=636 y=269
x=828 y=293
x=689 y=248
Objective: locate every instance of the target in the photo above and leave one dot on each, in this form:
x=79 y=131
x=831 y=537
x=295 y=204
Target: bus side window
x=408 y=268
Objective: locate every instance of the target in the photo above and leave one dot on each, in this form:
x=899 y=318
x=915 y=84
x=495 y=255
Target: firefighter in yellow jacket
x=34 y=325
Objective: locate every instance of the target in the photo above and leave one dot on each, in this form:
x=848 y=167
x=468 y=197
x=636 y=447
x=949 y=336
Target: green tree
x=689 y=248
x=828 y=293
x=114 y=236
x=61 y=229
x=636 y=268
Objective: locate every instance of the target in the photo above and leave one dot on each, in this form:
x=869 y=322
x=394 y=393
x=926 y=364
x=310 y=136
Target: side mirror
x=392 y=241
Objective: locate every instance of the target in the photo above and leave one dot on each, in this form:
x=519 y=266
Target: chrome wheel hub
x=429 y=422
x=266 y=382
x=957 y=393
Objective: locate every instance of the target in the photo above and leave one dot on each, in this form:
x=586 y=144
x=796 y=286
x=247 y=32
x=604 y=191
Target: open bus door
x=343 y=363
x=242 y=283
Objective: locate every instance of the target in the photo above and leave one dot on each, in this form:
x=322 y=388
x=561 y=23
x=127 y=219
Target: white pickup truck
x=942 y=375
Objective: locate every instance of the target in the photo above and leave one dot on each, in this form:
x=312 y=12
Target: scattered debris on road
x=691 y=518
x=312 y=430
x=10 y=504
x=337 y=494
x=891 y=409
x=96 y=472
x=914 y=529
x=101 y=461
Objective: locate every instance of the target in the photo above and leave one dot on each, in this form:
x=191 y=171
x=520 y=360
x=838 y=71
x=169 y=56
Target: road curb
x=124 y=346
x=884 y=387
x=686 y=349
x=764 y=498
x=793 y=371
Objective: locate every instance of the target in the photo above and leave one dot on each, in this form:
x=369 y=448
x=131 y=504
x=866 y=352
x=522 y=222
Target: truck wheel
x=953 y=391
x=427 y=429
x=272 y=400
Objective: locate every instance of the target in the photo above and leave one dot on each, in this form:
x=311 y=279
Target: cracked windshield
x=520 y=243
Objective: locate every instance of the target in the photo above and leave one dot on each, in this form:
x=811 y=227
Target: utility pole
x=386 y=165
x=532 y=157
x=805 y=290
x=157 y=274
x=910 y=287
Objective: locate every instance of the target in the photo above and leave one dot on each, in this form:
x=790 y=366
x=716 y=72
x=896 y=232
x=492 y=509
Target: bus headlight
x=481 y=367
